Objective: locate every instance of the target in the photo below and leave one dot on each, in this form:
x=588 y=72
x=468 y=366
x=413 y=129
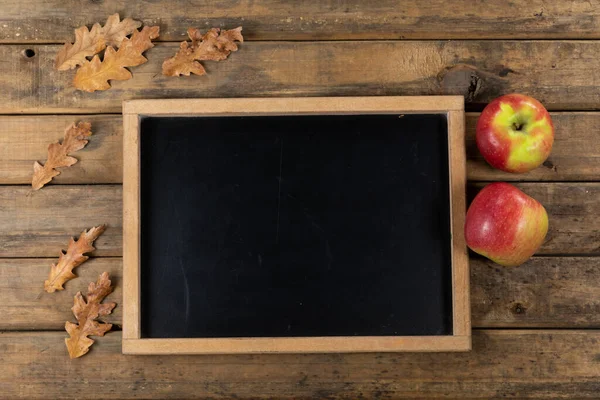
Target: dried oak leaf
x=90 y=42
x=58 y=154
x=94 y=75
x=86 y=311
x=215 y=45
x=62 y=271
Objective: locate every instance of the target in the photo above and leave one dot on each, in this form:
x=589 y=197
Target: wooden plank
x=24 y=139
x=39 y=224
x=297 y=345
x=131 y=227
x=461 y=295
x=546 y=292
x=24 y=304
x=511 y=363
x=562 y=75
x=54 y=20
x=296 y=105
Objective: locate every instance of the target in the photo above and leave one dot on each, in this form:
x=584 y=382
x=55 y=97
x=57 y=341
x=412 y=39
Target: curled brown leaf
x=86 y=311
x=90 y=42
x=58 y=154
x=214 y=45
x=62 y=271
x=94 y=75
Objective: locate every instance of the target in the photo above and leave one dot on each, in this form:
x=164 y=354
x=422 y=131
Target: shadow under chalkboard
x=286 y=226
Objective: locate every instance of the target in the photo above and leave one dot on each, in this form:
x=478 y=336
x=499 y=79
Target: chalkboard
x=306 y=226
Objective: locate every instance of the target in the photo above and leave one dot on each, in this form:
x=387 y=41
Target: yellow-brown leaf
x=62 y=271
x=58 y=154
x=115 y=31
x=86 y=311
x=90 y=42
x=94 y=75
x=215 y=45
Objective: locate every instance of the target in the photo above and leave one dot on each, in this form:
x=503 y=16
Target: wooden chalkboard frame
x=451 y=106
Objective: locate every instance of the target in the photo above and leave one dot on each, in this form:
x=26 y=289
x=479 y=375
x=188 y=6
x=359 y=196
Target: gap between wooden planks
x=54 y=20
x=24 y=139
x=545 y=292
x=561 y=74
x=538 y=363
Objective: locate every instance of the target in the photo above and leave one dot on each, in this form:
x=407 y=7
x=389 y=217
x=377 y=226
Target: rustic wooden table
x=534 y=326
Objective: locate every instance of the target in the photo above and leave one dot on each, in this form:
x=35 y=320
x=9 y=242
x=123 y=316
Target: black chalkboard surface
x=294 y=225
x=330 y=225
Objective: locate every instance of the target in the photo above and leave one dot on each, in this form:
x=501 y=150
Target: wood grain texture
x=512 y=363
x=24 y=305
x=296 y=105
x=39 y=224
x=562 y=75
x=557 y=292
x=461 y=301
x=297 y=345
x=545 y=292
x=24 y=139
x=131 y=227
x=54 y=20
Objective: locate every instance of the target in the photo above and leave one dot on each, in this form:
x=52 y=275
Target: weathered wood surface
x=54 y=21
x=563 y=75
x=25 y=305
x=39 y=223
x=546 y=292
x=516 y=364
x=24 y=140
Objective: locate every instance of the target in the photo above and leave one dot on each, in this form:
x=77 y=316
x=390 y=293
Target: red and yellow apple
x=515 y=133
x=505 y=225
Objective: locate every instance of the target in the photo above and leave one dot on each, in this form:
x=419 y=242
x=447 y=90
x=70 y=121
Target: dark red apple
x=505 y=225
